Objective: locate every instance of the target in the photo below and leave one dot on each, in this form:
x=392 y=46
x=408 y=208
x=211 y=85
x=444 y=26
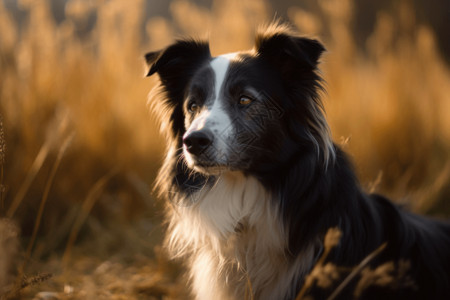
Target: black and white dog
x=254 y=179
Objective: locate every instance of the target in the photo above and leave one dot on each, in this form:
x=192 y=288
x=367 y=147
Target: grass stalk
x=356 y=271
x=48 y=186
x=248 y=290
x=86 y=208
x=35 y=167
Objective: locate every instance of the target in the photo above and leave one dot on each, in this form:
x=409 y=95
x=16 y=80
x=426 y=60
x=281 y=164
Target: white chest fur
x=234 y=239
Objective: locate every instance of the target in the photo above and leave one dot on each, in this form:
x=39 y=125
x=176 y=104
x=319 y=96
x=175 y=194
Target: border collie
x=254 y=180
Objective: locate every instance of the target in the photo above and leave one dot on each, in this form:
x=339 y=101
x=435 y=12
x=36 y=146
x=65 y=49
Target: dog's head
x=244 y=110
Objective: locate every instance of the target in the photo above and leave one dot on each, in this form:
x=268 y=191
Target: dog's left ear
x=286 y=50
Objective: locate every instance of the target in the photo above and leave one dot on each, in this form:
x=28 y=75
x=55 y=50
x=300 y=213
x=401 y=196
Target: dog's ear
x=177 y=58
x=175 y=66
x=150 y=59
x=286 y=50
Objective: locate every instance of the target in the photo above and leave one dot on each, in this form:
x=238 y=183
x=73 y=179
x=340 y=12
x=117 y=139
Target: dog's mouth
x=205 y=164
x=208 y=167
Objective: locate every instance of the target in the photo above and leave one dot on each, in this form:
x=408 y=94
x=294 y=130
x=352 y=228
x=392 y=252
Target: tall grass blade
x=86 y=208
x=356 y=271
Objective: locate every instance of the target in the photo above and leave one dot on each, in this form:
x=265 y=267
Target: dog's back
x=415 y=264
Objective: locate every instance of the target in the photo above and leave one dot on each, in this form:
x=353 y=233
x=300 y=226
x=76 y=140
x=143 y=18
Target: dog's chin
x=211 y=170
x=206 y=167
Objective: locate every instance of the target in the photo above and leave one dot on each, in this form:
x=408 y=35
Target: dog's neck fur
x=235 y=239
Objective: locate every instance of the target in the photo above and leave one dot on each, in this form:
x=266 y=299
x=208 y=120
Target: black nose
x=197 y=141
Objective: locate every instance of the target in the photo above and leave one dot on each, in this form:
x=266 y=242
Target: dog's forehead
x=220 y=66
x=211 y=76
x=214 y=75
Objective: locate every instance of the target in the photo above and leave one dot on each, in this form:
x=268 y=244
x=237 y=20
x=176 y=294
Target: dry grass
x=9 y=248
x=335 y=279
x=79 y=150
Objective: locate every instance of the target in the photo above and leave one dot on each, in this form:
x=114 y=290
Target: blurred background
x=79 y=149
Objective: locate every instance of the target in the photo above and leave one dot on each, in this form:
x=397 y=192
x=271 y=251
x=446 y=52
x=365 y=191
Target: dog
x=254 y=180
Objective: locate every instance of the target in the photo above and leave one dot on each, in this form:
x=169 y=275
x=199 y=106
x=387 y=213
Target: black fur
x=315 y=186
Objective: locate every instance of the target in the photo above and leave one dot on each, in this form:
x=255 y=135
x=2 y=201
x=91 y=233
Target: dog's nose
x=197 y=141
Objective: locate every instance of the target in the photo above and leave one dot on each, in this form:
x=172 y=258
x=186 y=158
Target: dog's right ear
x=176 y=59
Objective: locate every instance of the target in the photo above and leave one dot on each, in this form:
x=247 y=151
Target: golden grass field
x=80 y=150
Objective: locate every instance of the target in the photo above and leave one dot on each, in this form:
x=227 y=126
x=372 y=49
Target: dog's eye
x=245 y=100
x=192 y=107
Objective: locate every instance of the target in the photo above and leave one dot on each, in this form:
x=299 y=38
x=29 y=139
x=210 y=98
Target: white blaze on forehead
x=218 y=120
x=215 y=118
x=220 y=66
